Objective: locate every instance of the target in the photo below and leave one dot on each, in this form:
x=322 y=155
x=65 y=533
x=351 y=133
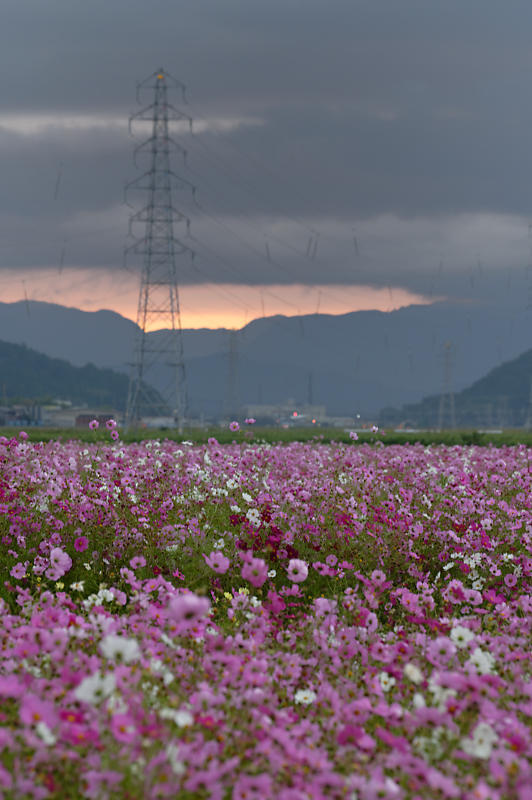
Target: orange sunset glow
x=202 y=306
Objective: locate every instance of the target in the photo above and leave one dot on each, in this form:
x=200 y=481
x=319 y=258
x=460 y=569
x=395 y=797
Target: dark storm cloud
x=366 y=113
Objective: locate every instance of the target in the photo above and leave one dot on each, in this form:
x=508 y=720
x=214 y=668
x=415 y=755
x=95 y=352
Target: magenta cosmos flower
x=93 y=424
x=81 y=544
x=217 y=562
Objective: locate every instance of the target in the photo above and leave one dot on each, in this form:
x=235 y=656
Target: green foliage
x=272 y=435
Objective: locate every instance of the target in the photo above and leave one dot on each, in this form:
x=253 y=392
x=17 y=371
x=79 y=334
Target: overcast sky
x=346 y=153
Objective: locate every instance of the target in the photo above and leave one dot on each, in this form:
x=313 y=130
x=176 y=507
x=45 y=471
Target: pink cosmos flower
x=297 y=570
x=255 y=571
x=97 y=784
x=323 y=606
x=10 y=686
x=217 y=562
x=355 y=734
x=353 y=435
x=234 y=426
x=94 y=424
x=250 y=421
x=110 y=424
x=60 y=563
x=123 y=728
x=18 y=571
x=188 y=608
x=252 y=787
x=81 y=544
x=115 y=435
x=34 y=710
x=137 y=561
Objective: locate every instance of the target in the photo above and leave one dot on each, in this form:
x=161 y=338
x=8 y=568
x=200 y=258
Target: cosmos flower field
x=254 y=621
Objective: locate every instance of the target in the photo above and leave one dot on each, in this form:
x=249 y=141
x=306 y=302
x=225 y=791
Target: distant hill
x=358 y=362
x=501 y=398
x=28 y=375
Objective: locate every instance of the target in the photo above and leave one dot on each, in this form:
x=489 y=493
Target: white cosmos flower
x=480 y=744
x=44 y=732
x=413 y=673
x=118 y=648
x=253 y=517
x=181 y=718
x=482 y=661
x=461 y=636
x=95 y=688
x=172 y=754
x=305 y=696
x=386 y=681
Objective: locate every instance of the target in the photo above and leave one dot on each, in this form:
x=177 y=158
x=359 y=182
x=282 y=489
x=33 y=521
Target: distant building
x=288 y=412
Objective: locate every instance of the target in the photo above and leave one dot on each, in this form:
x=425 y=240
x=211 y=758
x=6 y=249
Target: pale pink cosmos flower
x=353 y=435
x=297 y=570
x=250 y=421
x=378 y=576
x=217 y=562
x=110 y=424
x=188 y=608
x=255 y=571
x=234 y=426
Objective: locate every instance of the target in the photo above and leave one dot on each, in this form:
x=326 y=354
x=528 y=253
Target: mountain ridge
x=361 y=361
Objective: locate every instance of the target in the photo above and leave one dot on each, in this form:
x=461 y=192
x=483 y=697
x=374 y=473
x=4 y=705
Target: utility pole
x=158 y=358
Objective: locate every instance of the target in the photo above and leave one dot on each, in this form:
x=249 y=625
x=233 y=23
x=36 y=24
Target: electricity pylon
x=158 y=358
x=232 y=401
x=447 y=395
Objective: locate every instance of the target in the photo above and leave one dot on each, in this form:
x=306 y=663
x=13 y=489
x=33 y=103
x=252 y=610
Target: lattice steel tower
x=158 y=358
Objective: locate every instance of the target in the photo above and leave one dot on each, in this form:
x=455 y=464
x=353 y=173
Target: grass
x=510 y=437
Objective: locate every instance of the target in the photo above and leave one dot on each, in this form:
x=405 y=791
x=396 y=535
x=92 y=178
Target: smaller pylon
x=528 y=420
x=447 y=407
x=232 y=400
